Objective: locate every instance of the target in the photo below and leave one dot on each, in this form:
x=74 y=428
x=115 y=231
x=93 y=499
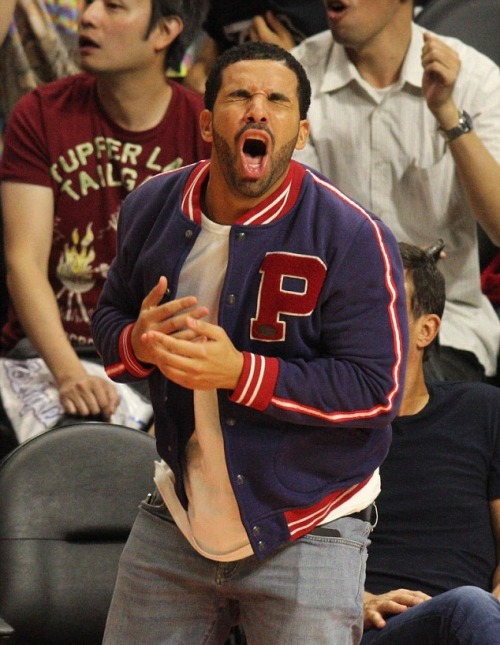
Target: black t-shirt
x=228 y=20
x=443 y=467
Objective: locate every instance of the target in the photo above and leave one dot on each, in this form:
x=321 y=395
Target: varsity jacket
x=314 y=298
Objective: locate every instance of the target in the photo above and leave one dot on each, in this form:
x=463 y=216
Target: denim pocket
x=155 y=505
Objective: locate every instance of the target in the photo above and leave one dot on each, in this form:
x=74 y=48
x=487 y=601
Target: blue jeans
x=462 y=616
x=309 y=591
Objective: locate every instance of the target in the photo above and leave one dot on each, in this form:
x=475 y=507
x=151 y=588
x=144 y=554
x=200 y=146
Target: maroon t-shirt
x=59 y=136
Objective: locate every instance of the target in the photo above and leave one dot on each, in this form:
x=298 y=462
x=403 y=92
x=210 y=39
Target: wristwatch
x=464 y=126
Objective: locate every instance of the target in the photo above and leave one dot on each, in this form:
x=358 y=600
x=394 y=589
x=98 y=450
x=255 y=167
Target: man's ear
x=206 y=125
x=166 y=31
x=304 y=129
x=429 y=325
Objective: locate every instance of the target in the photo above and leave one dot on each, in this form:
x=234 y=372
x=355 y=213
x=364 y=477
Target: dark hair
x=191 y=12
x=428 y=295
x=258 y=51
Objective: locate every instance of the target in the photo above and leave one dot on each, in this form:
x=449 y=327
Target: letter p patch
x=290 y=285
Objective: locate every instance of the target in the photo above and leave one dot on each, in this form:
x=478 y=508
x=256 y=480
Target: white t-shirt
x=212 y=523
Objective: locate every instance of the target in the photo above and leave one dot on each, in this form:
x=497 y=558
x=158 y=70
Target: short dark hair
x=429 y=293
x=191 y=12
x=258 y=51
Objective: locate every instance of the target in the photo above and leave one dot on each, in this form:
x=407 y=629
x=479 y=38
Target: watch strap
x=464 y=125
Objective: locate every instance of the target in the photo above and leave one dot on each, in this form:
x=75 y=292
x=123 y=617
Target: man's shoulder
x=327 y=191
x=170 y=182
x=163 y=193
x=81 y=82
x=315 y=48
x=185 y=97
x=467 y=394
x=75 y=88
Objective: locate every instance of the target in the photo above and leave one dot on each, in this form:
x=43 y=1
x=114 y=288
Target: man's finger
x=203 y=328
x=154 y=297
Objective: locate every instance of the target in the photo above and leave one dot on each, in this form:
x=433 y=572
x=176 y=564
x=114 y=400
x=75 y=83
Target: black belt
x=368 y=514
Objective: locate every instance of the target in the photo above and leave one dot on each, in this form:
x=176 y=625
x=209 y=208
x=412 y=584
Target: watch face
x=466 y=121
x=464 y=126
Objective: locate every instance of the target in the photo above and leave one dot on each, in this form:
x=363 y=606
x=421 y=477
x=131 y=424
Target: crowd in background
x=40 y=44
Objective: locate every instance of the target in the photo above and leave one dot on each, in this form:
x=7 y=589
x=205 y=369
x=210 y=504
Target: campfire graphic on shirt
x=76 y=273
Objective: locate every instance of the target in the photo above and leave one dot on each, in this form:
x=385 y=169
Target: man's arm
x=28 y=227
x=266 y=28
x=377 y=607
x=495 y=523
x=270 y=29
x=478 y=169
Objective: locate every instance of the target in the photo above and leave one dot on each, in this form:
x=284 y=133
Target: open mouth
x=254 y=153
x=336 y=7
x=254 y=148
x=84 y=42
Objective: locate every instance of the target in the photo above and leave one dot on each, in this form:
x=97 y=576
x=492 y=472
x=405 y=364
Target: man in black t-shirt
x=433 y=572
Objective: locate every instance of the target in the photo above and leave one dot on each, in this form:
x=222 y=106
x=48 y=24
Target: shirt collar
x=340 y=71
x=412 y=71
x=272 y=208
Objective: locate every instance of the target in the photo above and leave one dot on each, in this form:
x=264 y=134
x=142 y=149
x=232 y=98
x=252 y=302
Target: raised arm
x=479 y=171
x=28 y=225
x=269 y=29
x=266 y=28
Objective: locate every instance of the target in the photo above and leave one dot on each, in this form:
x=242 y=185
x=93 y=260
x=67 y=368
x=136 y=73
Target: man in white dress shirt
x=408 y=123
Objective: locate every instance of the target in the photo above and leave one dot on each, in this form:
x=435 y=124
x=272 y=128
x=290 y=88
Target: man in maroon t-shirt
x=73 y=150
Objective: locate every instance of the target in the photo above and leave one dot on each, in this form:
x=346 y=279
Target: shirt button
x=188 y=234
x=261 y=546
x=231 y=422
x=240 y=236
x=231 y=299
x=240 y=480
x=169 y=448
x=256 y=531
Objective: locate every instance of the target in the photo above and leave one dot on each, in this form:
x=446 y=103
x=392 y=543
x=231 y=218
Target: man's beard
x=245 y=186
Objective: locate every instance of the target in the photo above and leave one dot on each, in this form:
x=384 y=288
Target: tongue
x=254 y=166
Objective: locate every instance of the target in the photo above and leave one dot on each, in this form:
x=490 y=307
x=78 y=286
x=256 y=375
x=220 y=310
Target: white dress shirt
x=384 y=149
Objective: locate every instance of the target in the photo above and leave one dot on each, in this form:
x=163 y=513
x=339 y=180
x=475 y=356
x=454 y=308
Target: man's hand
x=85 y=395
x=202 y=359
x=270 y=29
x=169 y=318
x=388 y=604
x=441 y=66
